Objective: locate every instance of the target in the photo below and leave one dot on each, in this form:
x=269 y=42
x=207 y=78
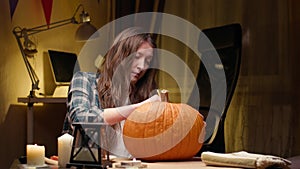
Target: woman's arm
x=84 y=107
x=115 y=115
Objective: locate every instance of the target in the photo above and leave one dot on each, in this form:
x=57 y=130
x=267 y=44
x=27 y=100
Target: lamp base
x=32 y=94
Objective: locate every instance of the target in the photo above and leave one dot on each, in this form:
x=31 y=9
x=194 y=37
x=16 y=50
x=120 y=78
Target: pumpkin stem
x=163 y=93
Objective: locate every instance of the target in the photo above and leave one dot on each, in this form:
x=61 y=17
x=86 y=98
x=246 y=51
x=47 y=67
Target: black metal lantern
x=86 y=148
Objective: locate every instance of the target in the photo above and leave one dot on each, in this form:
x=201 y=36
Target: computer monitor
x=63 y=66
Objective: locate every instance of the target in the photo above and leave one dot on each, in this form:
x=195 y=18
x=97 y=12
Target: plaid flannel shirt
x=83 y=101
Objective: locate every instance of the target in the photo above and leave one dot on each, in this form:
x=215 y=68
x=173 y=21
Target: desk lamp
x=28 y=48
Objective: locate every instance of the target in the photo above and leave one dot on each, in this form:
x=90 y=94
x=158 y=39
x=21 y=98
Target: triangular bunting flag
x=47 y=6
x=12 y=6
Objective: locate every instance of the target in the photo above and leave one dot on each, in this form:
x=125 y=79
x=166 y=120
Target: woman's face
x=141 y=61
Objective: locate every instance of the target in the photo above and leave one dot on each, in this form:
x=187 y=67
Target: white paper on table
x=243 y=159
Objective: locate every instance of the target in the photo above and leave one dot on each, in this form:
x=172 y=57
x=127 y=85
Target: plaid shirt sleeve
x=83 y=102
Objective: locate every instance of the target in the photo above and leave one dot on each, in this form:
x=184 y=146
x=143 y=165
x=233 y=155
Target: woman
x=122 y=83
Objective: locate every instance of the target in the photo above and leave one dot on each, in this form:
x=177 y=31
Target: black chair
x=226 y=43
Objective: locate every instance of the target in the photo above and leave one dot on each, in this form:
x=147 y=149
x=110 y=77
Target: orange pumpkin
x=161 y=131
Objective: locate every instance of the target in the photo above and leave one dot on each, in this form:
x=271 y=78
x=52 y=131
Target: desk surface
x=183 y=165
x=197 y=164
x=194 y=163
x=42 y=99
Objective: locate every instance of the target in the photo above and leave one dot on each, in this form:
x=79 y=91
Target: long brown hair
x=114 y=85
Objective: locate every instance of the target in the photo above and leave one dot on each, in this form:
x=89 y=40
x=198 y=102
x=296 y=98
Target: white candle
x=35 y=155
x=64 y=149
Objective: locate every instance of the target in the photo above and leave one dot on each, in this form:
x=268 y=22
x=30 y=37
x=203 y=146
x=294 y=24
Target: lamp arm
x=19 y=33
x=33 y=76
x=38 y=29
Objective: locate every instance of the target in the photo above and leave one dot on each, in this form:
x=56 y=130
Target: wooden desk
x=155 y=165
x=183 y=165
x=30 y=101
x=195 y=163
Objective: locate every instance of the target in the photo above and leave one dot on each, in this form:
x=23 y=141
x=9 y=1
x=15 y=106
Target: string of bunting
x=47 y=7
x=12 y=6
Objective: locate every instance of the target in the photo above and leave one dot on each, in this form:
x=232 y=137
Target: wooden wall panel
x=263 y=116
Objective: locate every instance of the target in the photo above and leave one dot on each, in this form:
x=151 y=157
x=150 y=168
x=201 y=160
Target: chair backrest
x=226 y=43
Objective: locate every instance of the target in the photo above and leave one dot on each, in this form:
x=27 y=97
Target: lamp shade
x=85 y=31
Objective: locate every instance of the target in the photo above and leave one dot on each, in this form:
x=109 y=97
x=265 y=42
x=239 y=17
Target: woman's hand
x=154 y=98
x=151 y=99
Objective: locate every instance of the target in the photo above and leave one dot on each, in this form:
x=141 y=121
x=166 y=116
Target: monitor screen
x=63 y=66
